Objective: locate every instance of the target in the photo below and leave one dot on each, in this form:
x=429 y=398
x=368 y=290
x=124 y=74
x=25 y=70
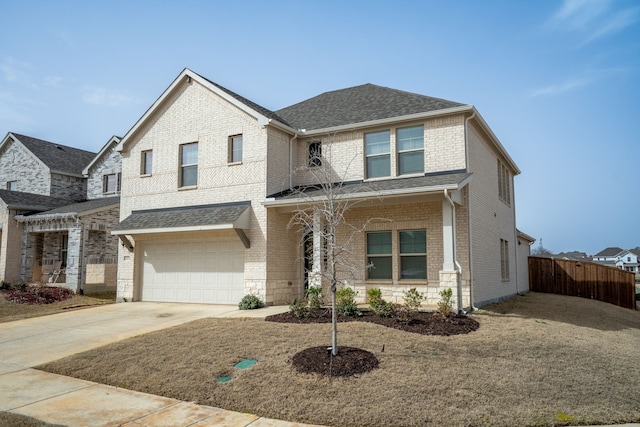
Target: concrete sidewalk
x=68 y=401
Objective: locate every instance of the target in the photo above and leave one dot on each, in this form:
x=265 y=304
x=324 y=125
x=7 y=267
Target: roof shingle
x=358 y=104
x=57 y=157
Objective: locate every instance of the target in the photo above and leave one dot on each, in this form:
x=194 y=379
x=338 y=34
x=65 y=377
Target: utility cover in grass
x=224 y=379
x=246 y=363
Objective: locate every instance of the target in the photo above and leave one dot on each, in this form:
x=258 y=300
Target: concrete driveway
x=31 y=342
x=71 y=402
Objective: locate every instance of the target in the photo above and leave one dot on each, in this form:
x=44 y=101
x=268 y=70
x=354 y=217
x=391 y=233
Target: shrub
x=314 y=297
x=22 y=286
x=445 y=305
x=250 y=302
x=378 y=305
x=412 y=301
x=299 y=308
x=5 y=286
x=346 y=302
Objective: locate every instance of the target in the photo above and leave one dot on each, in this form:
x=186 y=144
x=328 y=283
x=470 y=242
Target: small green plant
x=346 y=302
x=250 y=302
x=22 y=286
x=378 y=305
x=299 y=308
x=412 y=302
x=5 y=286
x=445 y=305
x=314 y=297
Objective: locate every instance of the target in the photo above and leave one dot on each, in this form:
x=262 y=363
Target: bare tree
x=322 y=208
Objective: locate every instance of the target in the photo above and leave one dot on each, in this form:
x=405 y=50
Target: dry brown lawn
x=536 y=360
x=12 y=311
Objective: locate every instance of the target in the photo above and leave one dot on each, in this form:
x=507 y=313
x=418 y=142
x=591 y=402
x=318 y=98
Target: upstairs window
x=413 y=254
x=379 y=255
x=110 y=183
x=146 y=162
x=315 y=154
x=235 y=149
x=12 y=185
x=504 y=259
x=504 y=183
x=189 y=165
x=377 y=151
x=410 y=142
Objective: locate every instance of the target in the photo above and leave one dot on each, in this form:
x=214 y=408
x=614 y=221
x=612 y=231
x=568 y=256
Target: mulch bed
x=36 y=294
x=425 y=323
x=352 y=361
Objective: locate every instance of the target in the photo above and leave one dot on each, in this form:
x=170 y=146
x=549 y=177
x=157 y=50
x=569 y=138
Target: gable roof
x=57 y=157
x=263 y=115
x=19 y=200
x=359 y=104
x=610 y=251
x=111 y=143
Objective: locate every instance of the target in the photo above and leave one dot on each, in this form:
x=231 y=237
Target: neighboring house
x=208 y=180
x=524 y=251
x=617 y=257
x=573 y=256
x=60 y=227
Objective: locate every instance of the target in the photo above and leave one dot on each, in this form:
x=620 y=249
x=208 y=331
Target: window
x=315 y=154
x=379 y=255
x=413 y=254
x=235 y=149
x=410 y=142
x=504 y=259
x=189 y=164
x=504 y=183
x=64 y=248
x=146 y=162
x=111 y=183
x=12 y=185
x=377 y=150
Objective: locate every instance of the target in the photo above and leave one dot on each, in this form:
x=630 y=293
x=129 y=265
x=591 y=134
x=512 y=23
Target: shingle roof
x=31 y=202
x=56 y=156
x=259 y=108
x=360 y=187
x=611 y=251
x=189 y=216
x=81 y=207
x=358 y=104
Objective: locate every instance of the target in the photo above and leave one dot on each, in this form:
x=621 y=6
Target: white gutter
x=388 y=120
x=471 y=285
x=455 y=257
x=271 y=202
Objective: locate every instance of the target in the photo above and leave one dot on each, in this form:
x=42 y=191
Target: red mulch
x=353 y=361
x=36 y=294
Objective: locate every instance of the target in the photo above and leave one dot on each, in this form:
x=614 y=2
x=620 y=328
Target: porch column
x=448 y=263
x=74 y=263
x=315 y=278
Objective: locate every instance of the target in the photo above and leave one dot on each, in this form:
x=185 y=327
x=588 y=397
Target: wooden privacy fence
x=582 y=279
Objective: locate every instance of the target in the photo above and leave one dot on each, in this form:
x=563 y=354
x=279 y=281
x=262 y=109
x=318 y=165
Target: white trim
x=113 y=141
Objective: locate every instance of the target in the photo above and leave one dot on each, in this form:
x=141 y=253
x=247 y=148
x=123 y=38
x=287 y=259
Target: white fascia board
x=113 y=141
x=187 y=73
x=369 y=195
x=34 y=157
x=388 y=120
x=227 y=226
x=496 y=142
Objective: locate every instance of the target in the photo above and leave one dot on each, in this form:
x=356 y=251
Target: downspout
x=455 y=257
x=81 y=271
x=295 y=135
x=466 y=150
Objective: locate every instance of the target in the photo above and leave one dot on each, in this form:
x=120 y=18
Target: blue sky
x=557 y=81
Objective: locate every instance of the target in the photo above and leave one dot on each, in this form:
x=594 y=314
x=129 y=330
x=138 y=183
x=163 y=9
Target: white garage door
x=210 y=271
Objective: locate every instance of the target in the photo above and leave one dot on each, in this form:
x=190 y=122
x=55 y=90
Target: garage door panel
x=209 y=271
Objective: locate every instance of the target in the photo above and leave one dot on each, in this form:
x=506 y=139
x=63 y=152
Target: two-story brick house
x=211 y=181
x=53 y=218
